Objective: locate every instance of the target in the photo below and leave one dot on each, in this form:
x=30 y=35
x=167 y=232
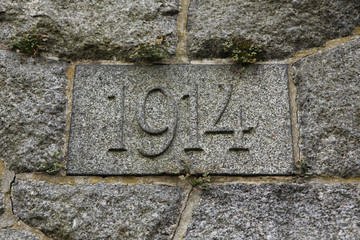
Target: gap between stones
x=181 y=52
x=185 y=215
x=174 y=181
x=180 y=217
x=295 y=127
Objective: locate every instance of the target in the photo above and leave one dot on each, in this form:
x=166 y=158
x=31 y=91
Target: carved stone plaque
x=140 y=119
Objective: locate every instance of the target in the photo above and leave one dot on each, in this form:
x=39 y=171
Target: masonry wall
x=318 y=40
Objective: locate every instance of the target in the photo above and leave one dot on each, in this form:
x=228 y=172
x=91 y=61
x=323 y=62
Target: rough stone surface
x=91 y=29
x=98 y=211
x=9 y=234
x=282 y=27
x=277 y=211
x=32 y=110
x=252 y=136
x=328 y=99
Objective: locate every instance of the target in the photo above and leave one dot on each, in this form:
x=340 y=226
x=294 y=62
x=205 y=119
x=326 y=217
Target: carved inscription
x=193 y=143
x=147 y=119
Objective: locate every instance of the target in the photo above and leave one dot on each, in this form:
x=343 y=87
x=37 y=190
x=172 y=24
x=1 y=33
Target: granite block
x=108 y=29
x=282 y=27
x=328 y=99
x=98 y=211
x=277 y=211
x=32 y=110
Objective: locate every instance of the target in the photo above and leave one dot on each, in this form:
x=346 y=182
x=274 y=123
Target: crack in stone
x=181 y=214
x=192 y=200
x=7 y=219
x=10 y=195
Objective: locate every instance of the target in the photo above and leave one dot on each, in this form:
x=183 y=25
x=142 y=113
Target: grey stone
x=328 y=99
x=98 y=211
x=9 y=234
x=240 y=124
x=92 y=29
x=277 y=211
x=281 y=27
x=32 y=110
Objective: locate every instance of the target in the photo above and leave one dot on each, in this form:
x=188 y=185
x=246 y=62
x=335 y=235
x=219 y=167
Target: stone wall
x=318 y=40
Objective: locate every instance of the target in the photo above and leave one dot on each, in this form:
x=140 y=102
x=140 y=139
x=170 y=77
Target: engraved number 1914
x=193 y=143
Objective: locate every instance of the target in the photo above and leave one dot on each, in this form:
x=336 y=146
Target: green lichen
x=52 y=166
x=150 y=52
x=303 y=169
x=243 y=51
x=31 y=43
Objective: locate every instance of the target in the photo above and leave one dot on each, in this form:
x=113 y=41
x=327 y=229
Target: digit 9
x=170 y=126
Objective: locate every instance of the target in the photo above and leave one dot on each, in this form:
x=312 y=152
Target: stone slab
x=32 y=110
x=98 y=211
x=328 y=99
x=282 y=27
x=9 y=234
x=142 y=119
x=277 y=211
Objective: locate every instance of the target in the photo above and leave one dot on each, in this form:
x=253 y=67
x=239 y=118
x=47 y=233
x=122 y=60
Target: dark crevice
x=10 y=194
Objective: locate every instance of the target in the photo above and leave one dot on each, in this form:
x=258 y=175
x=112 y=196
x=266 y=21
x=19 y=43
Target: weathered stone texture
x=9 y=234
x=277 y=211
x=32 y=110
x=98 y=211
x=328 y=99
x=92 y=29
x=282 y=27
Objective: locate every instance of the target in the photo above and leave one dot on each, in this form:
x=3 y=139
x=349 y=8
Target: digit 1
x=193 y=141
x=119 y=146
